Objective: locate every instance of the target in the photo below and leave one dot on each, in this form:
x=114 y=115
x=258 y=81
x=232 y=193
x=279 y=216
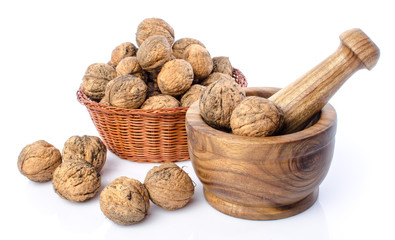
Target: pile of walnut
x=159 y=73
x=75 y=175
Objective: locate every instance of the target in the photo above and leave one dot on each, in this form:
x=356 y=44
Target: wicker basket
x=143 y=135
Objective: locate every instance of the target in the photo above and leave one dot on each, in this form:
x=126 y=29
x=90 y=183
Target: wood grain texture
x=304 y=97
x=261 y=178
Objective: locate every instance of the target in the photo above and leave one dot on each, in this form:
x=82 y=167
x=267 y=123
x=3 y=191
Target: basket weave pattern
x=140 y=135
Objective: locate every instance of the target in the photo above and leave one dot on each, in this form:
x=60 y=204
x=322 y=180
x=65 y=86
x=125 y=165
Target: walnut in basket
x=154 y=26
x=200 y=60
x=122 y=51
x=215 y=76
x=130 y=66
x=154 y=52
x=125 y=91
x=180 y=45
x=160 y=101
x=88 y=148
x=222 y=65
x=176 y=77
x=76 y=180
x=125 y=201
x=256 y=117
x=169 y=186
x=96 y=79
x=218 y=102
x=38 y=161
x=192 y=95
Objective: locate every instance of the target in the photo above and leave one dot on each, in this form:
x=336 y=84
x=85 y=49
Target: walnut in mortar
x=256 y=117
x=122 y=51
x=169 y=186
x=200 y=60
x=89 y=148
x=38 y=161
x=180 y=45
x=154 y=52
x=125 y=91
x=160 y=101
x=176 y=77
x=222 y=65
x=192 y=95
x=130 y=66
x=215 y=76
x=125 y=201
x=218 y=102
x=96 y=79
x=76 y=180
x=154 y=26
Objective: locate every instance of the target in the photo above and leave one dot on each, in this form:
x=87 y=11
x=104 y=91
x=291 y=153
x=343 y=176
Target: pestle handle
x=306 y=96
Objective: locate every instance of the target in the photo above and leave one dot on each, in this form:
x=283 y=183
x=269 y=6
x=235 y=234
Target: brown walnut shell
x=160 y=101
x=76 y=180
x=96 y=79
x=169 y=186
x=256 y=117
x=88 y=148
x=215 y=76
x=192 y=95
x=125 y=201
x=176 y=77
x=218 y=101
x=180 y=45
x=38 y=161
x=154 y=52
x=154 y=26
x=122 y=51
x=200 y=60
x=222 y=65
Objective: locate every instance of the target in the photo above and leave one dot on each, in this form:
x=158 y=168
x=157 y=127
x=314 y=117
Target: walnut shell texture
x=222 y=65
x=192 y=95
x=169 y=186
x=37 y=161
x=200 y=60
x=215 y=76
x=125 y=201
x=128 y=65
x=88 y=148
x=176 y=77
x=180 y=45
x=154 y=26
x=122 y=51
x=96 y=79
x=160 y=101
x=125 y=91
x=218 y=102
x=256 y=117
x=154 y=52
x=76 y=180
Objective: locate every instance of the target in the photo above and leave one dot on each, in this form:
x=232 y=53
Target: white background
x=46 y=46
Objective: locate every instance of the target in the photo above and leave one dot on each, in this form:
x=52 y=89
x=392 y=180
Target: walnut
x=160 y=101
x=38 y=161
x=154 y=26
x=125 y=201
x=215 y=76
x=130 y=66
x=125 y=91
x=88 y=148
x=218 y=101
x=154 y=52
x=256 y=117
x=192 y=95
x=122 y=51
x=200 y=60
x=96 y=79
x=76 y=180
x=169 y=186
x=176 y=77
x=180 y=45
x=222 y=65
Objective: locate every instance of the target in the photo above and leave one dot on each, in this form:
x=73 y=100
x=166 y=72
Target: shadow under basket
x=149 y=136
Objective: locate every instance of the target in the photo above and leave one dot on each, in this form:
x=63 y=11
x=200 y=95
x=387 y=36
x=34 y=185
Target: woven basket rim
x=85 y=100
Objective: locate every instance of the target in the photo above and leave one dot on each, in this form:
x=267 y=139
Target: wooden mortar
x=274 y=177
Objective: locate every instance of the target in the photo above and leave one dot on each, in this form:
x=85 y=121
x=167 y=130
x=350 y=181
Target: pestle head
x=256 y=117
x=362 y=46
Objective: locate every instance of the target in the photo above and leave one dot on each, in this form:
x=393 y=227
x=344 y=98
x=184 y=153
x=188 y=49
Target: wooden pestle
x=306 y=96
